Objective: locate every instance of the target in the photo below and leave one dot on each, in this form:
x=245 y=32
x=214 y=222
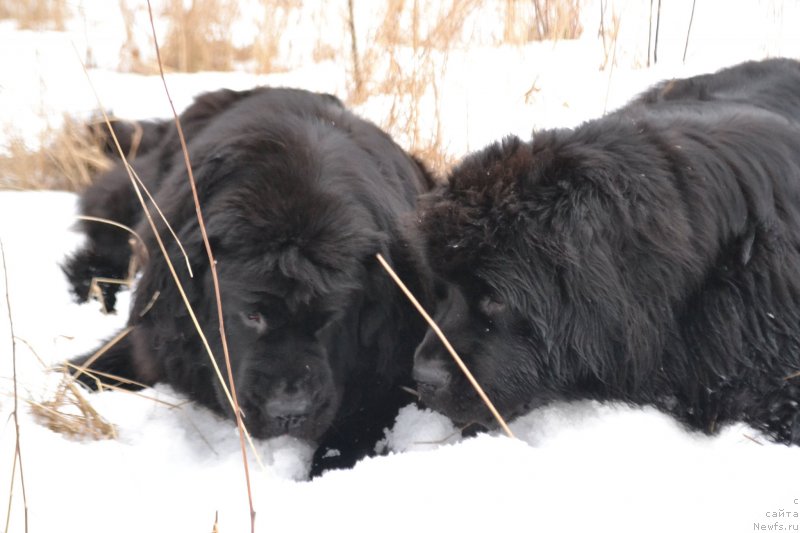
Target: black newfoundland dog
x=651 y=256
x=298 y=196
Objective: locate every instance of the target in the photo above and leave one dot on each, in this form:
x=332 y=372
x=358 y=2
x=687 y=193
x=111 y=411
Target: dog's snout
x=289 y=409
x=431 y=376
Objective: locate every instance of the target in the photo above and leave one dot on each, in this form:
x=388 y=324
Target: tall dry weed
x=199 y=35
x=540 y=20
x=609 y=34
x=36 y=14
x=403 y=60
x=265 y=52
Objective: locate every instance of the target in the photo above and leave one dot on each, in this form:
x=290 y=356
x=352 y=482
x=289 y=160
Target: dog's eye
x=255 y=320
x=490 y=305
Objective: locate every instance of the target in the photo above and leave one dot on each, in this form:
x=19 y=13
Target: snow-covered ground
x=173 y=467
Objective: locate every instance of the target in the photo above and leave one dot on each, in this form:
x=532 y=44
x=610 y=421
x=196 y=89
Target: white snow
x=174 y=466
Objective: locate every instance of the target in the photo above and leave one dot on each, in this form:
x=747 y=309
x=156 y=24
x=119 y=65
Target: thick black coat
x=298 y=196
x=651 y=256
x=107 y=252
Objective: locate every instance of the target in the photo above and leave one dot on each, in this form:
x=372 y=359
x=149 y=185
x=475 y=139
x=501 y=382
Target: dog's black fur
x=770 y=84
x=298 y=196
x=107 y=251
x=651 y=256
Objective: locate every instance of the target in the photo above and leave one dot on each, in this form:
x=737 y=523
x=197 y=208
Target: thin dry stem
x=447 y=345
x=748 y=437
x=97 y=374
x=214 y=277
x=15 y=412
x=351 y=24
x=617 y=23
x=161 y=214
x=112 y=223
x=162 y=247
x=103 y=349
x=11 y=491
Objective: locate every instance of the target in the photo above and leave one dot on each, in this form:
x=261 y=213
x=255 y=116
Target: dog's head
x=554 y=279
x=295 y=215
x=293 y=270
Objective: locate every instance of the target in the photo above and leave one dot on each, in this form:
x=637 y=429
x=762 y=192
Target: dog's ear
x=157 y=282
x=389 y=322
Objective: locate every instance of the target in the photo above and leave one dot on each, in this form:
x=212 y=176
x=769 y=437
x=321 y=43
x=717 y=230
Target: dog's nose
x=431 y=376
x=289 y=410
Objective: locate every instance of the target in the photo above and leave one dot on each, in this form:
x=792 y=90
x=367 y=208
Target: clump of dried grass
x=265 y=51
x=405 y=57
x=36 y=14
x=609 y=34
x=131 y=58
x=71 y=414
x=199 y=35
x=540 y=20
x=69 y=158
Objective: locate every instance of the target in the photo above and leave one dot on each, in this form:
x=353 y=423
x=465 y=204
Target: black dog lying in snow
x=298 y=196
x=651 y=256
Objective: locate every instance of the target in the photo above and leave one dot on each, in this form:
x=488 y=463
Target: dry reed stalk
x=130 y=230
x=436 y=329
x=15 y=412
x=357 y=76
x=96 y=375
x=102 y=350
x=689 y=31
x=617 y=23
x=214 y=277
x=138 y=186
x=610 y=36
x=95 y=292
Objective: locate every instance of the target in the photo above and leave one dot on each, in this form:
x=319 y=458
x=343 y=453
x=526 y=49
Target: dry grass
x=199 y=36
x=399 y=58
x=609 y=34
x=131 y=58
x=406 y=56
x=539 y=20
x=266 y=49
x=71 y=414
x=70 y=157
x=36 y=14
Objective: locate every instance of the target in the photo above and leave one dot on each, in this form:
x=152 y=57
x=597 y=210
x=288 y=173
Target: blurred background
x=443 y=77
